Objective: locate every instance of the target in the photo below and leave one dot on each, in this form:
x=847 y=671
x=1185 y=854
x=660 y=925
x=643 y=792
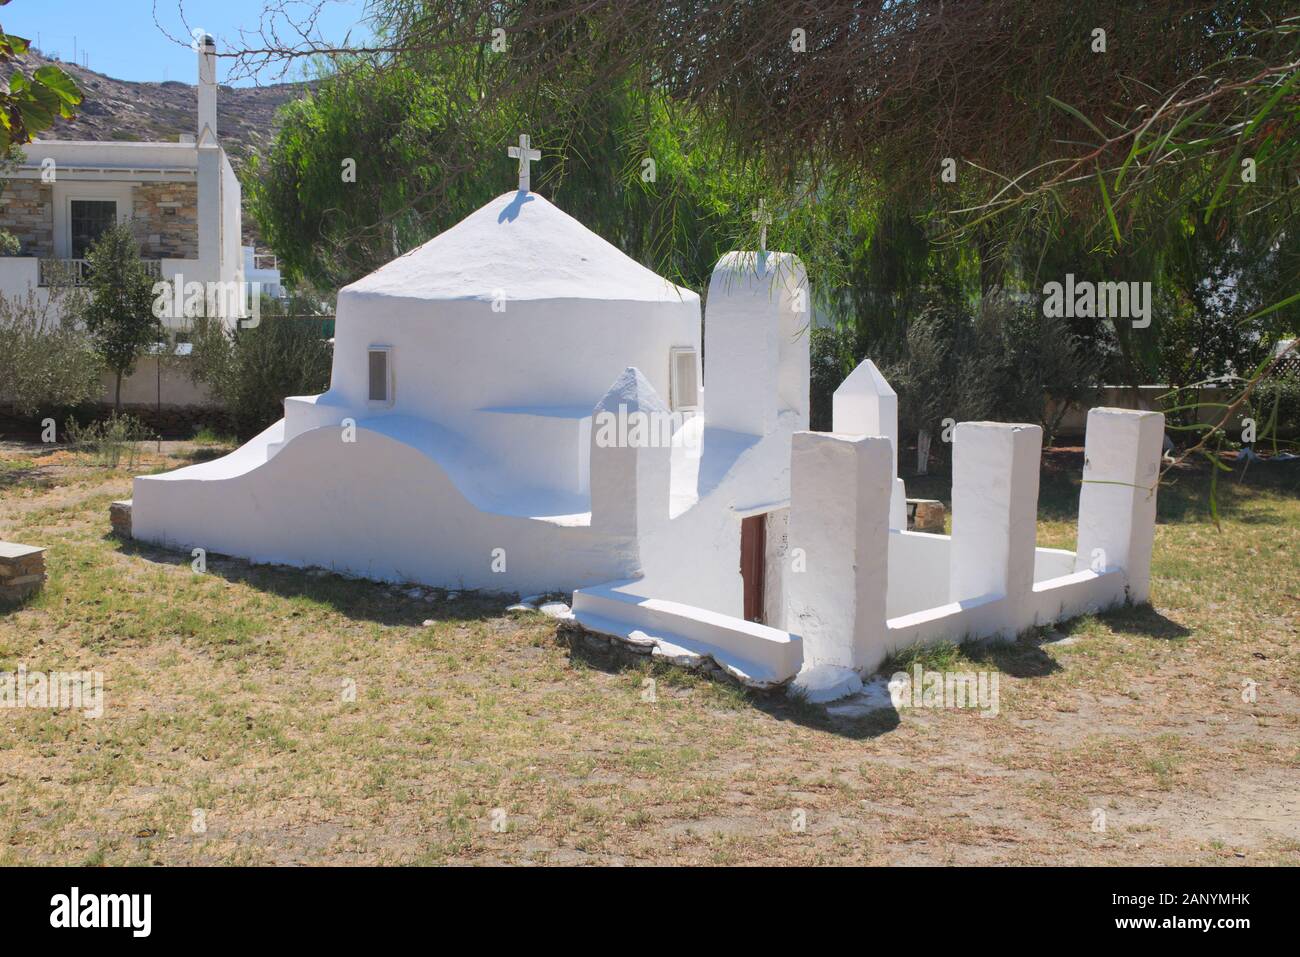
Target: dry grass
x=225 y=694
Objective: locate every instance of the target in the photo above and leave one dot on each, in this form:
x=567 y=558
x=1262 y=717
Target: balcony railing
x=76 y=272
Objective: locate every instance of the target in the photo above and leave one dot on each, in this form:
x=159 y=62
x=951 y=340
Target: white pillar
x=866 y=404
x=994 y=510
x=631 y=458
x=209 y=211
x=207 y=111
x=838 y=554
x=756 y=335
x=1117 y=502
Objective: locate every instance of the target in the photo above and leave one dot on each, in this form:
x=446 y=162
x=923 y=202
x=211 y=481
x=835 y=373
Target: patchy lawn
x=228 y=735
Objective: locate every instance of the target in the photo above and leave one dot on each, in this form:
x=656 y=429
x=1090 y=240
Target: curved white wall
x=377 y=508
x=452 y=358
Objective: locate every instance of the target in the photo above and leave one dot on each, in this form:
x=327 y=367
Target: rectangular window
x=379 y=378
x=89 y=219
x=684 y=382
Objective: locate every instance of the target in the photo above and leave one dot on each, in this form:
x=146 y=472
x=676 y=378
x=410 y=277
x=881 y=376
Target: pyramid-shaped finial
x=632 y=392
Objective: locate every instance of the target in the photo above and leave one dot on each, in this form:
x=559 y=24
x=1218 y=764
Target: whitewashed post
x=866 y=404
x=630 y=458
x=839 y=549
x=756 y=338
x=995 y=515
x=1117 y=502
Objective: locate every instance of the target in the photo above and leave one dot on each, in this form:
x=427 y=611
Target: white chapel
x=484 y=429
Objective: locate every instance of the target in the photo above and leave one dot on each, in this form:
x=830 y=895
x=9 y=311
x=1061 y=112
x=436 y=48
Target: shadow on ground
x=594 y=652
x=1023 y=658
x=357 y=599
x=1144 y=620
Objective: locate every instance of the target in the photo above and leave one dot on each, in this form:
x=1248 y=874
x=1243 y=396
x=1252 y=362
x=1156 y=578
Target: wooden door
x=753 y=547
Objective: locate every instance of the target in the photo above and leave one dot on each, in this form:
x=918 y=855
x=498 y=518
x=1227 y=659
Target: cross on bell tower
x=763 y=216
x=526 y=157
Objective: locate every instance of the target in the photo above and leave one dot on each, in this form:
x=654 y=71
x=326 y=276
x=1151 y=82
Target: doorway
x=753 y=568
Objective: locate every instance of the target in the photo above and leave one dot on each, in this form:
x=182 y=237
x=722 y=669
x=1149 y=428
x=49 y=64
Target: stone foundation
x=583 y=640
x=170 y=422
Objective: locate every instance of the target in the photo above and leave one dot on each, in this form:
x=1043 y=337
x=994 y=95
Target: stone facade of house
x=166 y=220
x=28 y=213
x=165 y=215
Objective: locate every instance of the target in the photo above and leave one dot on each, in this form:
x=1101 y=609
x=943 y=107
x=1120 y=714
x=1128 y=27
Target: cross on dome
x=526 y=157
x=763 y=216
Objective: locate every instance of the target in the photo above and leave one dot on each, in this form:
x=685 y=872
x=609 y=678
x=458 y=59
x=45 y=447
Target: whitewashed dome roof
x=525 y=247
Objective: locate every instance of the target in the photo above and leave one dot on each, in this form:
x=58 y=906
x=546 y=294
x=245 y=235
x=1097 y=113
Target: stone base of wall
x=179 y=422
x=168 y=422
x=22 y=571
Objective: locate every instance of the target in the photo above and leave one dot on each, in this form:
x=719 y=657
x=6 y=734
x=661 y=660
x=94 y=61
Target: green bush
x=1276 y=407
x=110 y=442
x=45 y=364
x=1006 y=361
x=252 y=370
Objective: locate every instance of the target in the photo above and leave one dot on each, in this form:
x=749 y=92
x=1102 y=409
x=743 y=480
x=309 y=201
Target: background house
x=182 y=197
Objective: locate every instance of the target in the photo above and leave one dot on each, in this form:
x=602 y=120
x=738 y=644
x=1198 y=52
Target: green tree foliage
x=1123 y=162
x=653 y=181
x=119 y=315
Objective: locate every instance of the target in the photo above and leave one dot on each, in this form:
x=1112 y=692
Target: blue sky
x=122 y=40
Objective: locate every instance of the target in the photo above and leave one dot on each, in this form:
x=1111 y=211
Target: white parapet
x=839 y=548
x=994 y=513
x=1117 y=503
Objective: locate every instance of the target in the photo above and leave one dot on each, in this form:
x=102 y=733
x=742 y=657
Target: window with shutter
x=684 y=380
x=380 y=387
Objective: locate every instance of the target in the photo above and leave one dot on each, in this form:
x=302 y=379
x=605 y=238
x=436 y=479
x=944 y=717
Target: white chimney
x=207 y=87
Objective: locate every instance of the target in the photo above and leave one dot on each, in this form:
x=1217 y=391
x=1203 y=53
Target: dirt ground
x=265 y=715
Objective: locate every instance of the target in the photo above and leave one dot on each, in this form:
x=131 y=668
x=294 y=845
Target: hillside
x=123 y=110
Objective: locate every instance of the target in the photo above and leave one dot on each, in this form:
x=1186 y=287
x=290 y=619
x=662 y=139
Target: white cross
x=526 y=157
x=762 y=215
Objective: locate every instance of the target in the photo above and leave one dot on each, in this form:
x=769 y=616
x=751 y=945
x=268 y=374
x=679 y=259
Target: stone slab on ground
x=925 y=515
x=22 y=570
x=119 y=516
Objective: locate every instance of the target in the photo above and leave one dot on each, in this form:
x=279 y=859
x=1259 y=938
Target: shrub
x=252 y=370
x=109 y=441
x=44 y=363
x=832 y=359
x=1276 y=407
x=1008 y=361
